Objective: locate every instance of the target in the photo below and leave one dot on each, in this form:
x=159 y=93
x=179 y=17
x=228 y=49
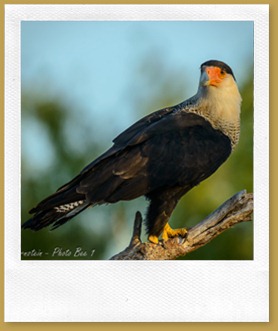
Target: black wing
x=127 y=136
x=169 y=148
x=179 y=149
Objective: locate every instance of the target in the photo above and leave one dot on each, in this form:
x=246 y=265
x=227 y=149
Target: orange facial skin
x=215 y=75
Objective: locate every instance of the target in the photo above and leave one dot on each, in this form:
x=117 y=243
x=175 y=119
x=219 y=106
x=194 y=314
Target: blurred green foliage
x=67 y=144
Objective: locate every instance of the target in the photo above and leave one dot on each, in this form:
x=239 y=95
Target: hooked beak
x=211 y=76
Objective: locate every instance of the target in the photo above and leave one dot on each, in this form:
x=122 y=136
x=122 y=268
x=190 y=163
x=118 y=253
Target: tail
x=56 y=210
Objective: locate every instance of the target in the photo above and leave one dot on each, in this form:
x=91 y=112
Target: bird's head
x=219 y=98
x=218 y=85
x=216 y=74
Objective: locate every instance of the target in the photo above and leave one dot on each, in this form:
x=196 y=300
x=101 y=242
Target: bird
x=162 y=157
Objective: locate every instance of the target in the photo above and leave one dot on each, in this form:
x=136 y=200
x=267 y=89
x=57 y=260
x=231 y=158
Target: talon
x=163 y=243
x=168 y=232
x=153 y=239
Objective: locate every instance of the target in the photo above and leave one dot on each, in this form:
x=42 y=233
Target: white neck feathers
x=221 y=107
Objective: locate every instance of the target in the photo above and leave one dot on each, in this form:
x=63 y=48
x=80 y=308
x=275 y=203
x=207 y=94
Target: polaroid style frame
x=136 y=291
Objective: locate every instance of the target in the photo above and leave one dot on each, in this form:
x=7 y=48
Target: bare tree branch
x=237 y=209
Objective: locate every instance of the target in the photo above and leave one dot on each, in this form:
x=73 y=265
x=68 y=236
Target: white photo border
x=133 y=291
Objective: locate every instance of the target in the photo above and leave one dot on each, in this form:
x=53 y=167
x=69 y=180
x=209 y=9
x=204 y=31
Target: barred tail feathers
x=56 y=210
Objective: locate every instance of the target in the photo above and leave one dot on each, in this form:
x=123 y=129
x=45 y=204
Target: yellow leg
x=153 y=239
x=167 y=233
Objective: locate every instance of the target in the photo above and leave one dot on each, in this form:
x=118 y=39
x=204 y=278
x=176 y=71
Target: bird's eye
x=222 y=72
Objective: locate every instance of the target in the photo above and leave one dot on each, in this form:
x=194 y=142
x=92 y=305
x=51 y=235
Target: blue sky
x=93 y=65
x=99 y=69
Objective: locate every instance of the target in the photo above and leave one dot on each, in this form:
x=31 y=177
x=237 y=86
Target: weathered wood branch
x=237 y=209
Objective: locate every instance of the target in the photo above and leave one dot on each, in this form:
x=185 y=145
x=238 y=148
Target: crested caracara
x=162 y=156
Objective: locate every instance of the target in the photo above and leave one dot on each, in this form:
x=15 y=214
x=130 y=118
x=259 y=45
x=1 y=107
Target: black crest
x=220 y=65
